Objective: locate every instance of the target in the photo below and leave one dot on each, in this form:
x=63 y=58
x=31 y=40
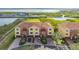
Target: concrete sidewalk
x=15 y=44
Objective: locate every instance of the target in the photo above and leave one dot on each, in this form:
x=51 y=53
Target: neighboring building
x=34 y=29
x=69 y=29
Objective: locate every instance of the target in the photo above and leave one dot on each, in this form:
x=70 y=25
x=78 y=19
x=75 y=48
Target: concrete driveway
x=15 y=44
x=37 y=40
x=38 y=43
x=49 y=41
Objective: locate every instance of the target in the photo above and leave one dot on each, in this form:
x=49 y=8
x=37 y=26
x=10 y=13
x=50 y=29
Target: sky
x=28 y=10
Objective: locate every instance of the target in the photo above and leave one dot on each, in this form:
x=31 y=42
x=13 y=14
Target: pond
x=4 y=21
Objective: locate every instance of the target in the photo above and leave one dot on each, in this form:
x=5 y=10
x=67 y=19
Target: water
x=62 y=18
x=4 y=21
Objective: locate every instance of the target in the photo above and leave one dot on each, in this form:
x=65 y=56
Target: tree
x=58 y=38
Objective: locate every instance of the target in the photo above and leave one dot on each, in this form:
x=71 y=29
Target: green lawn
x=7 y=12
x=73 y=20
x=5 y=28
x=7 y=41
x=10 y=37
x=74 y=46
x=32 y=20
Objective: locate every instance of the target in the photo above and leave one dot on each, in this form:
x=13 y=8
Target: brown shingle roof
x=35 y=24
x=70 y=25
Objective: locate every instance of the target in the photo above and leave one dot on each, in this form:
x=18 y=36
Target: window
x=50 y=29
x=36 y=32
x=66 y=30
x=50 y=32
x=31 y=29
x=17 y=29
x=17 y=32
x=31 y=32
x=66 y=33
x=36 y=29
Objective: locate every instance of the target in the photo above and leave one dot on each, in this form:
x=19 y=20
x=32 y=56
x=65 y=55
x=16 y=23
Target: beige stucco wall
x=17 y=31
x=52 y=31
x=64 y=32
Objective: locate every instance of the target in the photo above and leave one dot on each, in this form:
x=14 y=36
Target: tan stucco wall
x=63 y=31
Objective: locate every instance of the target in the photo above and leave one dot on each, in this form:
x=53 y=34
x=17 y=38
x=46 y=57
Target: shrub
x=44 y=40
x=22 y=41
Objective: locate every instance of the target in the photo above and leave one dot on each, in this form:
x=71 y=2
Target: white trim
x=17 y=31
x=37 y=32
x=34 y=30
x=30 y=33
x=50 y=31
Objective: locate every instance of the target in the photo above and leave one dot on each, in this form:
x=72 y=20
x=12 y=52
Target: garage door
x=30 y=39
